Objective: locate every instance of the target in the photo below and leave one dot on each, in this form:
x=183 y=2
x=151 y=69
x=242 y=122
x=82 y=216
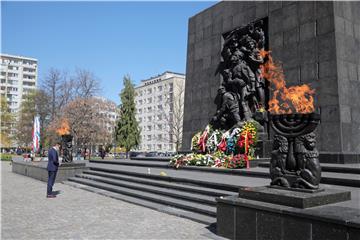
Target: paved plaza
x=79 y=214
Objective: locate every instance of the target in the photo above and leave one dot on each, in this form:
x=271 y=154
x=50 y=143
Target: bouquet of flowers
x=230 y=149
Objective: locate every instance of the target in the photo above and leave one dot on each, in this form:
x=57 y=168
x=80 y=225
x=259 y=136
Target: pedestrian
x=52 y=167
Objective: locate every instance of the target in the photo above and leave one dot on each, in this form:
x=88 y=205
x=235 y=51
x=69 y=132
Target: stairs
x=189 y=192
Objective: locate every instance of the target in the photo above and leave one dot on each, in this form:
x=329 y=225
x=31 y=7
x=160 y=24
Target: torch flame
x=64 y=128
x=285 y=100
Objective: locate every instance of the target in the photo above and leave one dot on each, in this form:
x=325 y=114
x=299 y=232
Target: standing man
x=52 y=167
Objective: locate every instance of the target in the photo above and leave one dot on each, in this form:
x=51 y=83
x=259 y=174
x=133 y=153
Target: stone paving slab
x=79 y=214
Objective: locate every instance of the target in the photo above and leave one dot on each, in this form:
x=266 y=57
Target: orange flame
x=286 y=100
x=64 y=128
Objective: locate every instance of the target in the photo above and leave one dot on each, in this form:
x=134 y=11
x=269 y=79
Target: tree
x=51 y=86
x=7 y=120
x=87 y=84
x=173 y=114
x=26 y=119
x=127 y=130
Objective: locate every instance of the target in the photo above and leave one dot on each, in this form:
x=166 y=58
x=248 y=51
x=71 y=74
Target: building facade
x=159 y=104
x=18 y=76
x=108 y=113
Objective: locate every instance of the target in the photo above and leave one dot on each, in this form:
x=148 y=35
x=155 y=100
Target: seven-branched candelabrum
x=294 y=158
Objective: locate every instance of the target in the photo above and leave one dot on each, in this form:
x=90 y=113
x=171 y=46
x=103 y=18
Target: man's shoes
x=51 y=196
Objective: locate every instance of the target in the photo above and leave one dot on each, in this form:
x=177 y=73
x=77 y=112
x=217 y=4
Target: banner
x=36 y=134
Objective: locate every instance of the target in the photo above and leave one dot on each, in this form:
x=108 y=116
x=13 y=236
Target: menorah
x=294 y=159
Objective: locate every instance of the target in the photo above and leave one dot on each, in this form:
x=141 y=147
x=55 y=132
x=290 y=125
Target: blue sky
x=110 y=39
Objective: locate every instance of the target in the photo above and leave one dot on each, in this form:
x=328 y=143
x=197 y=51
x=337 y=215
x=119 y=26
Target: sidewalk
x=78 y=214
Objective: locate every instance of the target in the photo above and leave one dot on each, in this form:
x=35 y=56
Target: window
x=160 y=88
x=149 y=100
x=149 y=137
x=159 y=126
x=159 y=147
x=149 y=127
x=159 y=117
x=160 y=107
x=159 y=98
x=149 y=91
x=149 y=118
x=159 y=137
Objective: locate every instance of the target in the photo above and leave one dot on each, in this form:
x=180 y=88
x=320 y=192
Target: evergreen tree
x=127 y=130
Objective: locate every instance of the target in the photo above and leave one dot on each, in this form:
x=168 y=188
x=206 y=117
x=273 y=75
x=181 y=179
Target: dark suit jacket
x=53 y=160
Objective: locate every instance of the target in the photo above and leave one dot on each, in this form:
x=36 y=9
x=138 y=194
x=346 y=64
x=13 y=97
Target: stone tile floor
x=77 y=214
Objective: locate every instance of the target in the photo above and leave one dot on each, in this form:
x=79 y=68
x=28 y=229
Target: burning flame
x=286 y=100
x=64 y=128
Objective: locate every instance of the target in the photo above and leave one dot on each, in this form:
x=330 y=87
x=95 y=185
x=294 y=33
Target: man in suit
x=52 y=167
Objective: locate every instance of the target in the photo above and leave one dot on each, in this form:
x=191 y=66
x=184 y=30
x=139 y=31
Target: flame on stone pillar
x=285 y=100
x=64 y=128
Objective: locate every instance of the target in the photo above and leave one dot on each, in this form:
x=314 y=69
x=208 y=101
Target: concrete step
x=165 y=184
x=165 y=164
x=205 y=219
x=339 y=168
x=153 y=197
x=141 y=173
x=166 y=191
x=333 y=178
x=155 y=159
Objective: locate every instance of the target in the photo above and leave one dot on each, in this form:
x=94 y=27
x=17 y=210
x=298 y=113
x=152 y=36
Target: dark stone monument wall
x=347 y=29
x=317 y=43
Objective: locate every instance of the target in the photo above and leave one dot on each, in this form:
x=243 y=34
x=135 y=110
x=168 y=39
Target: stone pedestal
x=38 y=170
x=271 y=213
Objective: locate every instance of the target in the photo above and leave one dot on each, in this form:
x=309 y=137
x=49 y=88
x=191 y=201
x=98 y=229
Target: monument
x=228 y=60
x=316 y=42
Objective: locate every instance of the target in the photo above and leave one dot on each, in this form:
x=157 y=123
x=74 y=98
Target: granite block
x=291 y=36
x=268 y=226
x=330 y=113
x=227 y=23
x=307 y=31
x=307 y=51
x=354 y=234
x=325 y=47
x=274 y=5
x=339 y=24
x=276 y=40
x=290 y=17
x=307 y=11
x=327 y=231
x=324 y=9
x=329 y=136
x=308 y=72
x=276 y=21
x=294 y=197
x=262 y=9
x=349 y=28
x=245 y=220
x=325 y=25
x=296 y=229
x=327 y=69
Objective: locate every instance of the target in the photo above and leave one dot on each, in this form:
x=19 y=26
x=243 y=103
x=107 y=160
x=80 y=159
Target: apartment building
x=108 y=113
x=18 y=76
x=159 y=104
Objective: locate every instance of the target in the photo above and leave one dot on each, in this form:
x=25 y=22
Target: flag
x=36 y=134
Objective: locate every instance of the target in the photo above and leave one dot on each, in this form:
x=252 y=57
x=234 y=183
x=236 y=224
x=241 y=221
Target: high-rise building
x=159 y=104
x=18 y=76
